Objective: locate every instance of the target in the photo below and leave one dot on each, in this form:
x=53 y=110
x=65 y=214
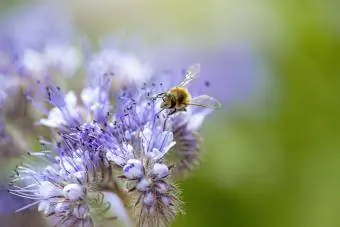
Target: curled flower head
x=69 y=187
x=146 y=174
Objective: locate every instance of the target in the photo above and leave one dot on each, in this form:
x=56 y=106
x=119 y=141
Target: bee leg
x=157 y=115
x=165 y=122
x=172 y=112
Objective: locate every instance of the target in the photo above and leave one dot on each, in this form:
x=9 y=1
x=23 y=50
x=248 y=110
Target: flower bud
x=133 y=169
x=160 y=171
x=149 y=199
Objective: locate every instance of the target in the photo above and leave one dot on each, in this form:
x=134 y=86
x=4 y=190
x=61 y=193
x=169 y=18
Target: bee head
x=167 y=101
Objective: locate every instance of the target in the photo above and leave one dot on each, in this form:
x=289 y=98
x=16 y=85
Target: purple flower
x=104 y=151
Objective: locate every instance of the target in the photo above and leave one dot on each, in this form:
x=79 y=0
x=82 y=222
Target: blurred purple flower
x=124 y=67
x=34 y=38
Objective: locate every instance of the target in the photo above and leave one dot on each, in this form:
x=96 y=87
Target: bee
x=178 y=98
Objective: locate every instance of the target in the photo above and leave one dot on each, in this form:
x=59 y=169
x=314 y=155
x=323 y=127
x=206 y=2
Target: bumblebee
x=178 y=98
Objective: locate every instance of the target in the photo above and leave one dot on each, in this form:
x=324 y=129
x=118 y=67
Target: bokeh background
x=272 y=153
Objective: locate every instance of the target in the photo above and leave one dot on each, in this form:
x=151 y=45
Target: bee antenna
x=158 y=96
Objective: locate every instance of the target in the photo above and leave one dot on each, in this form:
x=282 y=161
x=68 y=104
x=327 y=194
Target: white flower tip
x=71 y=99
x=73 y=192
x=54 y=120
x=49 y=123
x=45 y=207
x=42 y=205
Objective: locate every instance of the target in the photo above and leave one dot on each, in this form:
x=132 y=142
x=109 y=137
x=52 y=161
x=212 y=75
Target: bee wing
x=191 y=74
x=205 y=101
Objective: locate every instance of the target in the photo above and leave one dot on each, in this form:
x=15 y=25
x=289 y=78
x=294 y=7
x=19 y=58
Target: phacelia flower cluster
x=111 y=150
x=115 y=154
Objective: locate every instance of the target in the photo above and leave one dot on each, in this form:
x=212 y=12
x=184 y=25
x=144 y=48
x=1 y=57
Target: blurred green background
x=274 y=158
